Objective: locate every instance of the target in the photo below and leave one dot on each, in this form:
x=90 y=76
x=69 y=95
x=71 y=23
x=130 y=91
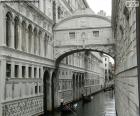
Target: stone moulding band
x=20 y=1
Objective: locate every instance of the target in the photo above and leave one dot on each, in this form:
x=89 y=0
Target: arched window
x=23 y=36
x=35 y=41
x=29 y=38
x=16 y=32
x=8 y=28
x=54 y=11
x=59 y=12
x=45 y=44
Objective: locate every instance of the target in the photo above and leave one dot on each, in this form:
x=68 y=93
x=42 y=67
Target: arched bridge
x=84 y=30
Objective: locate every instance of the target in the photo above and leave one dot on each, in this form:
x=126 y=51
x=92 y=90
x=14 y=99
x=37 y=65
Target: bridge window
x=96 y=33
x=8 y=70
x=72 y=35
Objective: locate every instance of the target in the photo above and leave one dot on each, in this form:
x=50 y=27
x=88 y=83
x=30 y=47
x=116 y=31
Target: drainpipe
x=138 y=47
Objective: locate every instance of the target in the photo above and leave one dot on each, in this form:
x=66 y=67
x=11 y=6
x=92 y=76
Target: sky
x=97 y=5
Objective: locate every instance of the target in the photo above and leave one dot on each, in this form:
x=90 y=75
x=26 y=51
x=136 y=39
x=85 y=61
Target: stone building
x=124 y=32
x=27 y=58
x=108 y=66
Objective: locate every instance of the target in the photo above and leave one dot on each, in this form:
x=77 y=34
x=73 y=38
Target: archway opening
x=46 y=79
x=56 y=70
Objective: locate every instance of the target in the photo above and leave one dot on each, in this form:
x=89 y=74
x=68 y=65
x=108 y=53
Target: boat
x=68 y=108
x=86 y=99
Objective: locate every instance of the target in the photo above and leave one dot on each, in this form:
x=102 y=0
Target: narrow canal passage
x=103 y=104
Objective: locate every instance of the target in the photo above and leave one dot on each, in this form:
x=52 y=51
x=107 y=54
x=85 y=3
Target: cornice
x=85 y=15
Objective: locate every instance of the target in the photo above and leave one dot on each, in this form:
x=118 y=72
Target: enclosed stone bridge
x=83 y=31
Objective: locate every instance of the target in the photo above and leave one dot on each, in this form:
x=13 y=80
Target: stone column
x=2 y=83
x=20 y=36
x=20 y=71
x=27 y=40
x=32 y=42
x=42 y=44
x=32 y=76
x=26 y=71
x=12 y=69
x=37 y=75
x=3 y=24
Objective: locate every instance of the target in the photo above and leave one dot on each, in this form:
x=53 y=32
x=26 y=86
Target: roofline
x=78 y=16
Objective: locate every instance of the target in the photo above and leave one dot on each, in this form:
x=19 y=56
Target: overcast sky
x=97 y=5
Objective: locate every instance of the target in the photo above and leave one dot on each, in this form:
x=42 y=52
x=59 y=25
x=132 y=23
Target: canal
x=102 y=104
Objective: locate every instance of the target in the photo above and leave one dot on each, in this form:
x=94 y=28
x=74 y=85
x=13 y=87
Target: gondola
x=68 y=108
x=86 y=98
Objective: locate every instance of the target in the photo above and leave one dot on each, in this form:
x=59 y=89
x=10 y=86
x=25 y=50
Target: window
x=105 y=65
x=72 y=35
x=16 y=29
x=8 y=70
x=39 y=89
x=23 y=71
x=105 y=59
x=96 y=33
x=35 y=71
x=16 y=70
x=39 y=73
x=59 y=12
x=36 y=89
x=30 y=71
x=8 y=28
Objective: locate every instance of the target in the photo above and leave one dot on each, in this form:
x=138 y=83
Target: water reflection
x=103 y=104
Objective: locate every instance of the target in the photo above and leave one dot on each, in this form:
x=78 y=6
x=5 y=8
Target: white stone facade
x=27 y=52
x=126 y=90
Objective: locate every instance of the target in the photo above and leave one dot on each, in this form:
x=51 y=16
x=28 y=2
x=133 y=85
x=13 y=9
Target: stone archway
x=46 y=91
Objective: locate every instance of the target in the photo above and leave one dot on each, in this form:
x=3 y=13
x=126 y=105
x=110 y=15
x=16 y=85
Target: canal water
x=102 y=104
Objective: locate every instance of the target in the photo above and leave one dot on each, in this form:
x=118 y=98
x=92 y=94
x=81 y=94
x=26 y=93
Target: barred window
x=96 y=33
x=30 y=71
x=8 y=70
x=35 y=72
x=72 y=35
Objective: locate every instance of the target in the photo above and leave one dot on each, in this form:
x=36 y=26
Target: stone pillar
x=27 y=40
x=26 y=71
x=42 y=44
x=32 y=42
x=20 y=71
x=3 y=24
x=20 y=36
x=12 y=69
x=32 y=76
x=2 y=83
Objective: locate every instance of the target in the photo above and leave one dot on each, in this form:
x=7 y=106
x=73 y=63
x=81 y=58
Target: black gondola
x=68 y=108
x=86 y=98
